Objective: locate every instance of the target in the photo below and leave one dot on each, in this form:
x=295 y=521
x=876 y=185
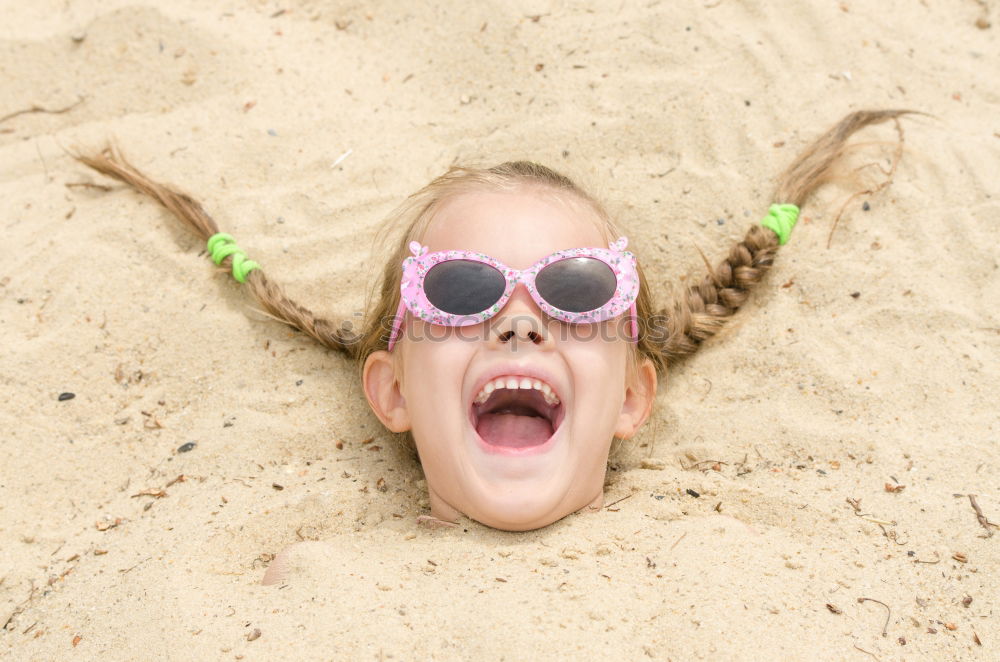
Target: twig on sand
x=888 y=615
x=20 y=607
x=99 y=187
x=697 y=465
x=128 y=570
x=628 y=496
x=180 y=479
x=856 y=505
x=986 y=524
x=432 y=522
x=341 y=158
x=35 y=108
x=891 y=535
x=677 y=542
x=866 y=652
x=742 y=467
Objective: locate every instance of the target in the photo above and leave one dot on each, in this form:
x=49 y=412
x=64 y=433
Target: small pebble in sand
x=184 y=448
x=66 y=396
x=692 y=493
x=866 y=206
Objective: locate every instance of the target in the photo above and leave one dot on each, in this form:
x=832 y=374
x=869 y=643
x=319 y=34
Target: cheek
x=599 y=368
x=433 y=370
x=595 y=349
x=425 y=349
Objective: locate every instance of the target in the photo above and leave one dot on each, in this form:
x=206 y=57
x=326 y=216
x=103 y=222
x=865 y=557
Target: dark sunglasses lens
x=577 y=284
x=463 y=287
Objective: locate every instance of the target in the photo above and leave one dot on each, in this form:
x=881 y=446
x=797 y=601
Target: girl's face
x=523 y=457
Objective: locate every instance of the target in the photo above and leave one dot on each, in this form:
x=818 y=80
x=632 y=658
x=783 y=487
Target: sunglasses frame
x=415 y=269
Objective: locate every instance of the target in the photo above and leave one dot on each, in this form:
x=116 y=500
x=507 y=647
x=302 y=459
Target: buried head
x=496 y=452
x=513 y=417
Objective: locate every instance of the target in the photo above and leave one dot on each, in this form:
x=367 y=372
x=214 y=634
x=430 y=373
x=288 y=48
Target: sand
x=868 y=363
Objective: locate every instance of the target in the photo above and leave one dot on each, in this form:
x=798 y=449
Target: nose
x=521 y=320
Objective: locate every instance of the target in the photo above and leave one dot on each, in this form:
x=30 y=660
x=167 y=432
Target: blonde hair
x=691 y=316
x=418 y=210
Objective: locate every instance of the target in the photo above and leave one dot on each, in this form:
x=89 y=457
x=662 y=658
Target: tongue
x=513 y=430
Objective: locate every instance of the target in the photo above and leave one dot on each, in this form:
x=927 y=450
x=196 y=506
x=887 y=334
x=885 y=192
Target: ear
x=638 y=401
x=382 y=391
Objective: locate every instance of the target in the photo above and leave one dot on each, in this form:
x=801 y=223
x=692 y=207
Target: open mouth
x=516 y=414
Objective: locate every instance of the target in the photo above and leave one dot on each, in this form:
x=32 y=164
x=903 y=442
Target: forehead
x=517 y=227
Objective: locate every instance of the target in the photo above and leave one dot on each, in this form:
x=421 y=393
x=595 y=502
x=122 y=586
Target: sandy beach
x=820 y=482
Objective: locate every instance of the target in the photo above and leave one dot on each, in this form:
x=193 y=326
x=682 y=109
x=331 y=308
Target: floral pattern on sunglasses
x=581 y=272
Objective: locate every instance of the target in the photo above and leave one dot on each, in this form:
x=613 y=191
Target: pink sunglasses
x=461 y=288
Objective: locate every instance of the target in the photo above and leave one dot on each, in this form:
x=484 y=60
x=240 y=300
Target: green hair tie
x=221 y=246
x=781 y=219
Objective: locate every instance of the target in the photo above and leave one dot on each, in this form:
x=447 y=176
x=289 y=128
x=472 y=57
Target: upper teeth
x=516 y=383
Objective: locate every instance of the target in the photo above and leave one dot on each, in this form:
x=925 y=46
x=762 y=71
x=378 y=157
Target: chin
x=521 y=512
x=522 y=492
x=522 y=459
